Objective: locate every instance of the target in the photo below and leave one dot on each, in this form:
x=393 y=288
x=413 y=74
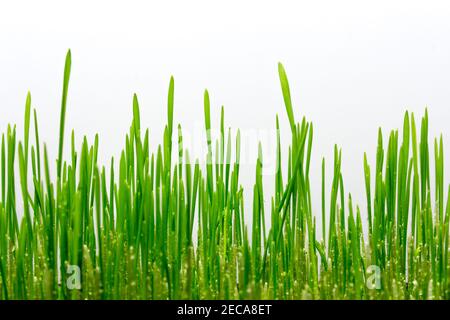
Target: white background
x=352 y=65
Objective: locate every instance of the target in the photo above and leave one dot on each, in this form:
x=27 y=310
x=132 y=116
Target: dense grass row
x=131 y=232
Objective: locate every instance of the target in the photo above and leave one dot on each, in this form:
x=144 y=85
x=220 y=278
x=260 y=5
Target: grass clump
x=95 y=233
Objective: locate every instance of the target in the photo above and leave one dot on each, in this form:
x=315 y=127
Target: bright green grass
x=131 y=231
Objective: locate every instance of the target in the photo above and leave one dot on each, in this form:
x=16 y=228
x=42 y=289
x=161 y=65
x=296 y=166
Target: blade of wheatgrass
x=324 y=223
x=37 y=145
x=27 y=126
x=170 y=99
x=23 y=182
x=62 y=120
x=286 y=95
x=209 y=169
x=13 y=223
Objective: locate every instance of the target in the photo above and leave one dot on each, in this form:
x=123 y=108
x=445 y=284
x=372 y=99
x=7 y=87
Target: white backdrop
x=352 y=66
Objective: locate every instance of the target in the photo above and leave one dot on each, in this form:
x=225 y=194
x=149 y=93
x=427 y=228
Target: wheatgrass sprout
x=93 y=232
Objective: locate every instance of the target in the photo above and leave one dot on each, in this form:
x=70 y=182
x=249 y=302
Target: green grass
x=131 y=231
